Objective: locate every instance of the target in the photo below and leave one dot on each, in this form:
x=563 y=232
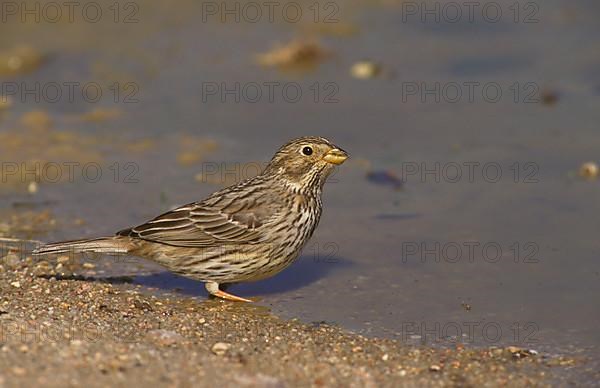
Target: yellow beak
x=335 y=156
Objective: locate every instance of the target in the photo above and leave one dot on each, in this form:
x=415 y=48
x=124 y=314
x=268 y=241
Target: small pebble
x=365 y=70
x=589 y=170
x=32 y=188
x=220 y=348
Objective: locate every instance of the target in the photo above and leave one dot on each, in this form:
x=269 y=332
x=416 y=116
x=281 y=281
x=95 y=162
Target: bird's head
x=305 y=163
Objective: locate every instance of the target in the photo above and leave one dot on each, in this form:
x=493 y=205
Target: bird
x=249 y=231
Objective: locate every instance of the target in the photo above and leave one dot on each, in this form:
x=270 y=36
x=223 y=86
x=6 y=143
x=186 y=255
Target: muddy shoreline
x=72 y=329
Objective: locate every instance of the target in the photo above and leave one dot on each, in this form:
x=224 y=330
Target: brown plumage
x=245 y=232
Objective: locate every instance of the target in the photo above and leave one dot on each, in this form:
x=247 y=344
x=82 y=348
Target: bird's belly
x=244 y=262
x=247 y=262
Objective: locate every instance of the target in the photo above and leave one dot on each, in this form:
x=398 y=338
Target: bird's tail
x=108 y=245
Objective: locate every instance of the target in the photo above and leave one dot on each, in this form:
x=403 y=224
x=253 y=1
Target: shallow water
x=374 y=265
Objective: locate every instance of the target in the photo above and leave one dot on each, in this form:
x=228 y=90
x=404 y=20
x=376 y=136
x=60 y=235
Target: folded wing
x=202 y=225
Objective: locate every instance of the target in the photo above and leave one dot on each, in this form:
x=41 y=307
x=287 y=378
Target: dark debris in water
x=549 y=97
x=385 y=178
x=296 y=55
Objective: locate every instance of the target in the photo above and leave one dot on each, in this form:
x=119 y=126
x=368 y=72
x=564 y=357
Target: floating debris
x=386 y=178
x=589 y=170
x=365 y=70
x=549 y=97
x=19 y=60
x=296 y=54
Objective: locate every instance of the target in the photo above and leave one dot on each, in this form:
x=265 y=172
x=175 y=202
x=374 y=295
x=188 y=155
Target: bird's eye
x=307 y=151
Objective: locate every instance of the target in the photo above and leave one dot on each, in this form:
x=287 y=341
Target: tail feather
x=109 y=245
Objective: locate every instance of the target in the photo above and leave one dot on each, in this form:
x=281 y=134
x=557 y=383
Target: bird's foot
x=213 y=289
x=228 y=296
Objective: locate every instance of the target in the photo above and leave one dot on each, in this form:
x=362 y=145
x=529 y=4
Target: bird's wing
x=229 y=220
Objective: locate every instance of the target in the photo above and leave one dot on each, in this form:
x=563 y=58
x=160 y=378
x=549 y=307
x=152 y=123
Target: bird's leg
x=213 y=289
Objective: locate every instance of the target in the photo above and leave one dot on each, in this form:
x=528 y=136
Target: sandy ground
x=67 y=330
